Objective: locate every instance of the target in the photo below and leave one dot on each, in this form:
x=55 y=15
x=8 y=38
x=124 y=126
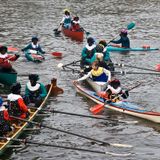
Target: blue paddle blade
x=131 y=25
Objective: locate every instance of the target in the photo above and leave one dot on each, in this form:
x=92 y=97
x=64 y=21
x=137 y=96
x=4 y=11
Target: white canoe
x=121 y=106
x=96 y=86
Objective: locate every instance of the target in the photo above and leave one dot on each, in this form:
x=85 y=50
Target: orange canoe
x=74 y=35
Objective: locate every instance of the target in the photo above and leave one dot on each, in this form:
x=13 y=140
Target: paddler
x=5 y=126
x=114 y=91
x=66 y=20
x=124 y=40
x=88 y=53
x=6 y=58
x=97 y=73
x=16 y=105
x=35 y=92
x=34 y=47
x=76 y=24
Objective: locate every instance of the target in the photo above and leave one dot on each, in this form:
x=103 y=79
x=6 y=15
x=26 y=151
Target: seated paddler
x=5 y=58
x=97 y=73
x=114 y=91
x=5 y=126
x=35 y=92
x=34 y=47
x=16 y=105
x=88 y=53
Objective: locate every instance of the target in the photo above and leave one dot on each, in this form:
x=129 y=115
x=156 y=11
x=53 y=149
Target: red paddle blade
x=12 y=49
x=57 y=54
x=97 y=108
x=158 y=67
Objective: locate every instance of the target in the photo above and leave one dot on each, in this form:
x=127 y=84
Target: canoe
x=120 y=49
x=121 y=106
x=96 y=86
x=34 y=57
x=19 y=130
x=8 y=77
x=74 y=35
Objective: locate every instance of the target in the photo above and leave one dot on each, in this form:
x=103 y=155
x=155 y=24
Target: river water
x=21 y=19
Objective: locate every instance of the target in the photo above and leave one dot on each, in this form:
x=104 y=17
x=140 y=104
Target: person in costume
x=88 y=53
x=101 y=47
x=76 y=24
x=5 y=126
x=66 y=20
x=5 y=58
x=16 y=105
x=124 y=40
x=97 y=73
x=34 y=47
x=114 y=91
x=35 y=92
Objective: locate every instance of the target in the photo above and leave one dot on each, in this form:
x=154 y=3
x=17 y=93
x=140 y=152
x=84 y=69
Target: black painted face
x=35 y=42
x=33 y=82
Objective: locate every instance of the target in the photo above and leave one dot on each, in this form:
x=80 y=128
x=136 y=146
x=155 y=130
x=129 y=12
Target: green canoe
x=120 y=49
x=8 y=77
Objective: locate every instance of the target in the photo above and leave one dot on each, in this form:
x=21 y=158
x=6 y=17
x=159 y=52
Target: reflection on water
x=20 y=20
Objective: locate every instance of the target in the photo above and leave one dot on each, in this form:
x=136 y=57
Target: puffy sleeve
x=22 y=105
x=85 y=77
x=43 y=91
x=6 y=115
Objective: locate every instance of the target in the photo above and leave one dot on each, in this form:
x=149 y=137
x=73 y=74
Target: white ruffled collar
x=33 y=88
x=3 y=55
x=90 y=47
x=13 y=97
x=34 y=46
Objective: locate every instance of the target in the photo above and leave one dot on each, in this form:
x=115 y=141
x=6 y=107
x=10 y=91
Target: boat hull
x=97 y=86
x=8 y=78
x=119 y=49
x=121 y=106
x=33 y=57
x=19 y=131
x=74 y=35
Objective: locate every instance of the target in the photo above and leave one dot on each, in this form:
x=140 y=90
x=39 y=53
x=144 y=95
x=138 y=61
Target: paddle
x=125 y=65
x=57 y=54
x=100 y=107
x=62 y=66
x=26 y=141
x=57 y=31
x=86 y=116
x=129 y=27
x=12 y=49
x=157 y=67
x=71 y=133
x=124 y=72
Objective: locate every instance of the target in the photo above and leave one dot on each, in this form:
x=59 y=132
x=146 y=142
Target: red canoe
x=74 y=35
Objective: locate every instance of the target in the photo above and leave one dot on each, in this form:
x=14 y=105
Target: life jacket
x=114 y=96
x=34 y=90
x=14 y=108
x=99 y=75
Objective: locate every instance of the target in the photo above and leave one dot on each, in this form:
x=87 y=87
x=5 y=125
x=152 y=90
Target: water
x=20 y=20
